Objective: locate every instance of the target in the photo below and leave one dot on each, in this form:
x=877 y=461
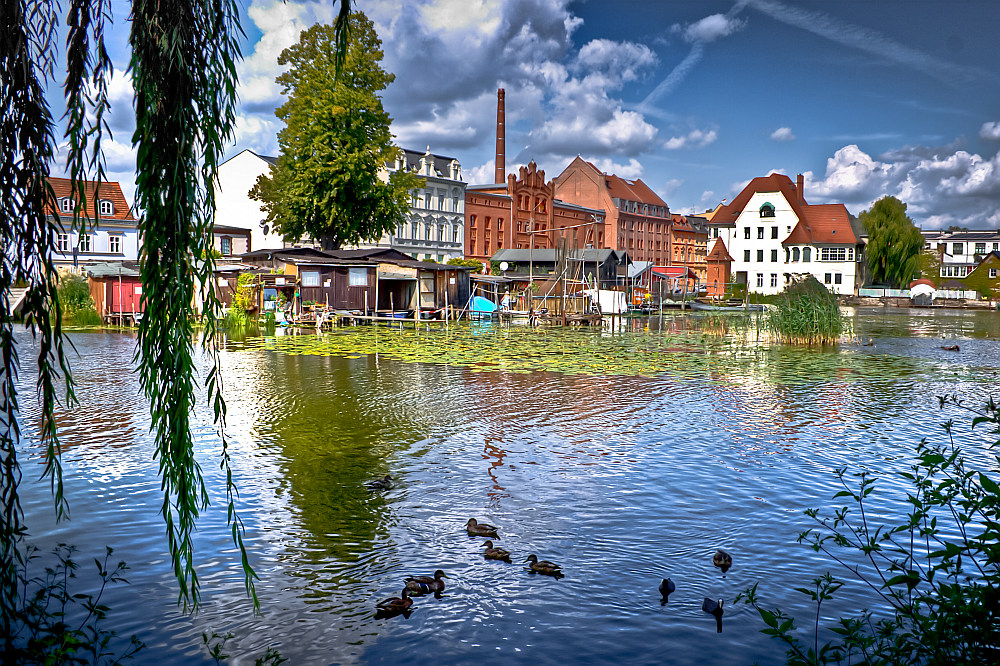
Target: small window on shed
x=767 y=210
x=310 y=278
x=358 y=277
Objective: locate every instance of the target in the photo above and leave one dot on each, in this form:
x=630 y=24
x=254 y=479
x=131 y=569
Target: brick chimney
x=799 y=185
x=500 y=174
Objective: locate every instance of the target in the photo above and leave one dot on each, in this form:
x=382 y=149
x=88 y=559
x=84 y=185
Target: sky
x=696 y=97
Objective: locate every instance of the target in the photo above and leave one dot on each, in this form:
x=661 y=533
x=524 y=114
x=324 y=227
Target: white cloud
x=707 y=195
x=480 y=174
x=783 y=134
x=990 y=131
x=710 y=28
x=694 y=139
x=632 y=170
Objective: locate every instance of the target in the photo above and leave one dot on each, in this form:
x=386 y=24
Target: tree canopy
x=894 y=243
x=335 y=143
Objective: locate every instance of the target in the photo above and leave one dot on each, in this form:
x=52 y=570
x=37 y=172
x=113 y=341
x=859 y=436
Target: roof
x=440 y=164
x=632 y=190
x=268 y=253
x=674 y=272
x=548 y=255
x=373 y=253
x=223 y=229
x=108 y=191
x=719 y=252
x=923 y=281
x=637 y=268
x=822 y=224
x=113 y=269
x=775 y=182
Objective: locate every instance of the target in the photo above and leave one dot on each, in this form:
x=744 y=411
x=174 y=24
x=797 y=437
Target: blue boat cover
x=480 y=304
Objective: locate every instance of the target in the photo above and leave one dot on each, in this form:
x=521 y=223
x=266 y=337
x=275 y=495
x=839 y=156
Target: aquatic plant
x=806 y=313
x=51 y=625
x=75 y=301
x=935 y=575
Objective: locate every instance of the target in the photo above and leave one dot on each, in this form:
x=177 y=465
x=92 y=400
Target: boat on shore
x=706 y=307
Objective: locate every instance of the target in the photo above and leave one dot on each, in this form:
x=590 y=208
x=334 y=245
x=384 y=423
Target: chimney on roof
x=499 y=163
x=799 y=184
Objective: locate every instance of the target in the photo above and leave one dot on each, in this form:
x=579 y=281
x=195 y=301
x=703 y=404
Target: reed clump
x=806 y=313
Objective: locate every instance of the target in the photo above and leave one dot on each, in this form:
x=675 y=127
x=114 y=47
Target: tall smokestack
x=799 y=185
x=500 y=175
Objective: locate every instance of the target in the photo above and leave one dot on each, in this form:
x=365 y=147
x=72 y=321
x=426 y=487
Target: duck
x=426 y=584
x=950 y=347
x=723 y=560
x=543 y=566
x=870 y=343
x=385 y=483
x=480 y=529
x=492 y=553
x=667 y=588
x=394 y=605
x=714 y=608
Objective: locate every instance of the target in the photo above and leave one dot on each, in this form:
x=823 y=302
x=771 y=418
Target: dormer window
x=66 y=205
x=767 y=210
x=107 y=208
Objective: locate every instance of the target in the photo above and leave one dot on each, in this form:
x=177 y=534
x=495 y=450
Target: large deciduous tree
x=336 y=141
x=894 y=243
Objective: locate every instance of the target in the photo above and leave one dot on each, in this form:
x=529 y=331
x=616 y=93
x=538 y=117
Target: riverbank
x=902 y=302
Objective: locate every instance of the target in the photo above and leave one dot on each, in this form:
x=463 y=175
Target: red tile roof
x=109 y=191
x=719 y=252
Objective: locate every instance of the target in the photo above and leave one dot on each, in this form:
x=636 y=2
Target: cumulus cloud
x=710 y=28
x=694 y=139
x=631 y=170
x=940 y=186
x=782 y=134
x=990 y=131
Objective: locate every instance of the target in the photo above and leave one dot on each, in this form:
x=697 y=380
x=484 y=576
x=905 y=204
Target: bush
x=936 y=573
x=806 y=313
x=74 y=301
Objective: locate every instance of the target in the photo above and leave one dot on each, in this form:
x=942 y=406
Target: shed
x=116 y=289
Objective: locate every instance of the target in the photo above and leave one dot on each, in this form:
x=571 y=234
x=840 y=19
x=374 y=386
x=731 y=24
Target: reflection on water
x=626 y=456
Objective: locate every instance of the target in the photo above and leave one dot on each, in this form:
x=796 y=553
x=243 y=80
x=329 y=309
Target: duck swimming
x=950 y=348
x=385 y=483
x=543 y=566
x=723 y=560
x=667 y=588
x=492 y=553
x=393 y=605
x=426 y=584
x=714 y=608
x=480 y=529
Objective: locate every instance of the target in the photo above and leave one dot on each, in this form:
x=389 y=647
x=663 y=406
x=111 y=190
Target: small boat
x=705 y=307
x=482 y=308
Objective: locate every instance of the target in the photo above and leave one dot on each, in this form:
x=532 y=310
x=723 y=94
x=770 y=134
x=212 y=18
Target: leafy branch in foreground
x=935 y=576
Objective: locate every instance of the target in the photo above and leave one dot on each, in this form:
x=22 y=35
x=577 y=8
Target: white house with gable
x=773 y=235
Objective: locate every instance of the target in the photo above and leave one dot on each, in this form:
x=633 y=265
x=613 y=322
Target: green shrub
x=74 y=301
x=935 y=575
x=806 y=313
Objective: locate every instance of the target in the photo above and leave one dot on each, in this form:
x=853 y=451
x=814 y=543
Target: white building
x=772 y=235
x=112 y=236
x=235 y=208
x=435 y=228
x=961 y=251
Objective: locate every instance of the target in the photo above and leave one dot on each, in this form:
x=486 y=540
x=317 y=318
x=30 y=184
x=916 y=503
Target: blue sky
x=864 y=97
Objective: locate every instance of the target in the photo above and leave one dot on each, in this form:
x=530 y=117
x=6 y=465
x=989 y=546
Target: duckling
x=385 y=483
x=393 y=605
x=426 y=584
x=714 y=608
x=870 y=343
x=480 y=529
x=544 y=566
x=492 y=553
x=723 y=560
x=667 y=588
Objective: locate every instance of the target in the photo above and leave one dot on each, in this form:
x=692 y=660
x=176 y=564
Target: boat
x=705 y=307
x=482 y=308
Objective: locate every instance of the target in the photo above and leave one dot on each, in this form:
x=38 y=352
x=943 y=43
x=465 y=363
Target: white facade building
x=961 y=251
x=773 y=235
x=113 y=236
x=435 y=228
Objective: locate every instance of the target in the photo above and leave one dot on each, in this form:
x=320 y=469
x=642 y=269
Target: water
x=635 y=459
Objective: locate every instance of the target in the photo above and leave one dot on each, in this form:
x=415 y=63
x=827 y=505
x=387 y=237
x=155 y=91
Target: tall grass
x=806 y=313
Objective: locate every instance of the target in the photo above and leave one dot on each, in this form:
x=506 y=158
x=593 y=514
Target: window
x=226 y=245
x=760 y=232
x=826 y=278
x=760 y=256
x=66 y=205
x=746 y=233
x=62 y=242
x=774 y=255
x=795 y=254
x=993 y=273
x=115 y=244
x=833 y=254
x=746 y=255
x=774 y=232
x=850 y=254
x=310 y=278
x=996 y=247
x=774 y=279
x=472 y=220
x=107 y=208
x=760 y=279
x=807 y=254
x=767 y=210
x=957 y=248
x=980 y=248
x=836 y=278
x=357 y=277
x=427 y=232
x=84 y=243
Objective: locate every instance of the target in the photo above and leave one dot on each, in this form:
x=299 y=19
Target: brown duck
x=544 y=566
x=480 y=529
x=492 y=553
x=394 y=605
x=426 y=584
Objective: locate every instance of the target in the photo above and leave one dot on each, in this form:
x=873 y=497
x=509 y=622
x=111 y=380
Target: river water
x=626 y=456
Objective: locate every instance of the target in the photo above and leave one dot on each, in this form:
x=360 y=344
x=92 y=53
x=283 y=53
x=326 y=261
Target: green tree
x=336 y=142
x=894 y=243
